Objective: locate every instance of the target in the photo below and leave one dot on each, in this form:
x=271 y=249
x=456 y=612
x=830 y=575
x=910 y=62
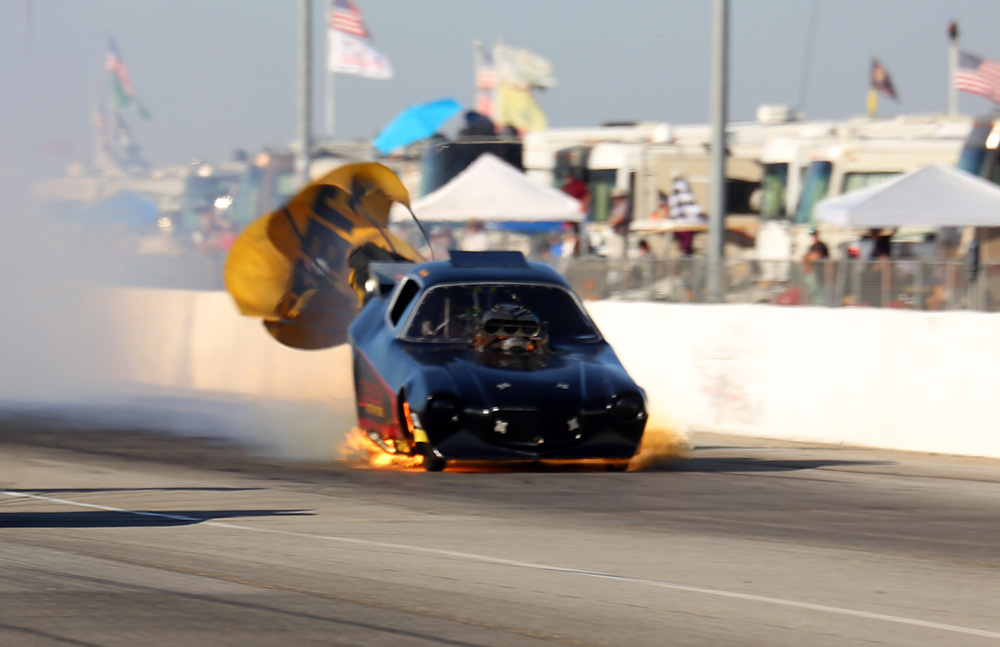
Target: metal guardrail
x=905 y=284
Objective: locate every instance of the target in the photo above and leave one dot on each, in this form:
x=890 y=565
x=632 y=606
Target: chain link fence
x=904 y=284
x=908 y=284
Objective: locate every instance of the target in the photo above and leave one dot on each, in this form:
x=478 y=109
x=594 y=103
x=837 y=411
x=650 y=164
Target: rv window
x=774 y=185
x=816 y=187
x=602 y=182
x=855 y=181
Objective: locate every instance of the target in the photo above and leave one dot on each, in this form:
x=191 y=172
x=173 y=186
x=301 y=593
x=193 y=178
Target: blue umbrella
x=415 y=123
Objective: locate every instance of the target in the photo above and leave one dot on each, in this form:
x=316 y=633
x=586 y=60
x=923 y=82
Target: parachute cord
x=422 y=231
x=359 y=206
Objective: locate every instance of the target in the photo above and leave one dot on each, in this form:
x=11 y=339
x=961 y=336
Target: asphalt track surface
x=116 y=538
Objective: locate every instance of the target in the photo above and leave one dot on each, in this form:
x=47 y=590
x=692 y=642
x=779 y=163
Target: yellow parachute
x=291 y=267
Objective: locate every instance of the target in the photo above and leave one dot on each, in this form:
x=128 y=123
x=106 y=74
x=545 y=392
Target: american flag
x=486 y=72
x=979 y=76
x=346 y=17
x=114 y=63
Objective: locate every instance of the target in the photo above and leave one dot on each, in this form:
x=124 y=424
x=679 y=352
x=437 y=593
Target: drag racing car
x=488 y=356
x=485 y=356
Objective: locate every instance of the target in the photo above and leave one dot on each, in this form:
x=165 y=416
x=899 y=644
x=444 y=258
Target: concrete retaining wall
x=872 y=377
x=197 y=341
x=879 y=378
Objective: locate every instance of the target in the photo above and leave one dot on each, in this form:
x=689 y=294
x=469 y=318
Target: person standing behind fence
x=879 y=244
x=577 y=188
x=878 y=282
x=815 y=268
x=620 y=220
x=475 y=238
x=642 y=268
x=818 y=248
x=569 y=248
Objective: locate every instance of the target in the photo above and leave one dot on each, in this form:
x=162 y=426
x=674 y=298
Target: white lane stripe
x=486 y=559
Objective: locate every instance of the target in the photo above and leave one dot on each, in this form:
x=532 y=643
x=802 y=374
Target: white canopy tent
x=930 y=196
x=491 y=190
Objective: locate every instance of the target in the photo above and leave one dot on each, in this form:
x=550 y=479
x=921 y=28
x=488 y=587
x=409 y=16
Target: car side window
x=407 y=291
x=443 y=315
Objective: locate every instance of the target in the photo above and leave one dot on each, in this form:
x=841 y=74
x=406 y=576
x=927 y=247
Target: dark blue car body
x=489 y=357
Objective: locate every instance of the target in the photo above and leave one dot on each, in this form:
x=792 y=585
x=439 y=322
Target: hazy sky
x=221 y=74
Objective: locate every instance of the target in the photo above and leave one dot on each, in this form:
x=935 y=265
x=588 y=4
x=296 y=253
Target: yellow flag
x=517 y=107
x=872 y=102
x=290 y=267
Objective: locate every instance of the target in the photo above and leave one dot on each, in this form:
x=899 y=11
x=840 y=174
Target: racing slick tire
x=432 y=462
x=616 y=466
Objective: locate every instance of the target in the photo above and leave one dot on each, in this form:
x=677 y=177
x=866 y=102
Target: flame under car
x=487 y=356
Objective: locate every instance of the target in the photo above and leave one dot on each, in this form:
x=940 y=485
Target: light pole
x=717 y=164
x=952 y=68
x=305 y=88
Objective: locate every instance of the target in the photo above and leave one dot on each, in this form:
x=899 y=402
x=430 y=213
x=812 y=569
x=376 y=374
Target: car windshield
x=449 y=313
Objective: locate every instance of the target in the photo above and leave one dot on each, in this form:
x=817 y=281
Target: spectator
x=879 y=243
x=818 y=248
x=815 y=267
x=642 y=269
x=878 y=282
x=441 y=242
x=475 y=238
x=685 y=242
x=555 y=246
x=812 y=280
x=662 y=211
x=571 y=241
x=577 y=188
x=620 y=220
x=569 y=249
x=541 y=249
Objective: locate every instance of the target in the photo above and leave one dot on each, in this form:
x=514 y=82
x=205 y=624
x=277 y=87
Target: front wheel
x=432 y=462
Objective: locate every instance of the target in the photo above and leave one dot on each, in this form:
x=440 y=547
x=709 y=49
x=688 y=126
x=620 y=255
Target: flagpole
x=27 y=96
x=952 y=68
x=305 y=88
x=499 y=64
x=717 y=165
x=98 y=117
x=114 y=139
x=329 y=104
x=477 y=47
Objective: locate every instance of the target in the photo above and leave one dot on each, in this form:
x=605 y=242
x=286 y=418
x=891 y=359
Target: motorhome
x=542 y=148
x=849 y=165
x=643 y=157
x=801 y=171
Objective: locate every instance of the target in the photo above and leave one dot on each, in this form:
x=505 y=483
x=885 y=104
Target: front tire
x=432 y=462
